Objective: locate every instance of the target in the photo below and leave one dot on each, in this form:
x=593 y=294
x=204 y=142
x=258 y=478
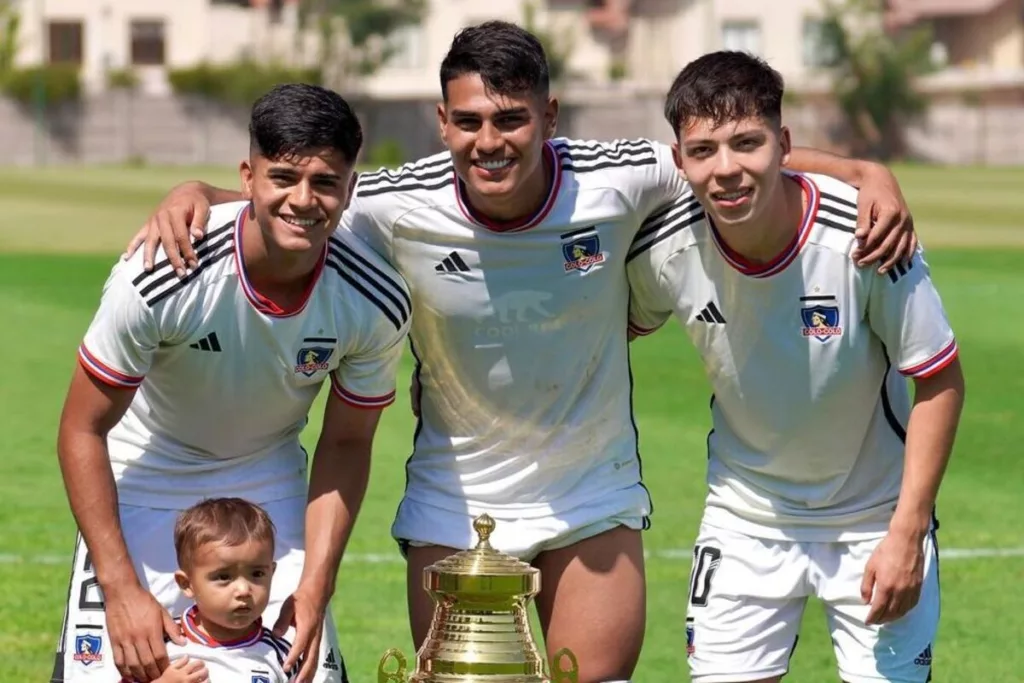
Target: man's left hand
x=893 y=577
x=885 y=228
x=307 y=615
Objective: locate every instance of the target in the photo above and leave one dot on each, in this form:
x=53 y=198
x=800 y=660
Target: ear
x=551 y=117
x=273 y=568
x=181 y=578
x=786 y=143
x=442 y=122
x=677 y=156
x=351 y=189
x=246 y=174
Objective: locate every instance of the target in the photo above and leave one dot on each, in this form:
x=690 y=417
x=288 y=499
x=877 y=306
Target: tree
x=873 y=74
x=558 y=45
x=10 y=23
x=355 y=36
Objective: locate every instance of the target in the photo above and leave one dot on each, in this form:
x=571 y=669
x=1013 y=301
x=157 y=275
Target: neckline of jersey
x=789 y=252
x=554 y=185
x=258 y=301
x=192 y=632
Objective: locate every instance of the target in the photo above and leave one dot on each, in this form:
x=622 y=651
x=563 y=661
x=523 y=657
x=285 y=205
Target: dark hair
x=725 y=86
x=232 y=521
x=509 y=59
x=298 y=118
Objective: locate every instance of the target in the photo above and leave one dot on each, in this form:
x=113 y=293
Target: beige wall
x=993 y=41
x=194 y=31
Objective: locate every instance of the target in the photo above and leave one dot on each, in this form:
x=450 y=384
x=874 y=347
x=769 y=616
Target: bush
x=387 y=153
x=52 y=83
x=241 y=83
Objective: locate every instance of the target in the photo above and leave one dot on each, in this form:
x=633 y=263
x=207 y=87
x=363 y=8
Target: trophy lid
x=483 y=560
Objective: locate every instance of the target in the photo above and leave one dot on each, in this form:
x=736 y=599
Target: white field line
x=671 y=554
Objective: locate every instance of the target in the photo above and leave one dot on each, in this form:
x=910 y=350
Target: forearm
x=92 y=495
x=338 y=482
x=809 y=160
x=930 y=435
x=214 y=195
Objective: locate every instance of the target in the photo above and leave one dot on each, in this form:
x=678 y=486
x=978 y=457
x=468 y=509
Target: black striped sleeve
x=156 y=285
x=666 y=222
x=381 y=289
x=837 y=213
x=429 y=174
x=280 y=648
x=585 y=157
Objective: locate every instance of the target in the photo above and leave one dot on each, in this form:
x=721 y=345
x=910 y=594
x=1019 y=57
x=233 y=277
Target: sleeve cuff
x=104 y=373
x=642 y=331
x=935 y=364
x=358 y=401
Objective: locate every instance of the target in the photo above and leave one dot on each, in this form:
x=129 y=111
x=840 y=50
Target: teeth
x=728 y=196
x=494 y=165
x=301 y=222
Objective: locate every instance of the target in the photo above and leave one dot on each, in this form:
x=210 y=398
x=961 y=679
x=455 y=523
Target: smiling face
x=297 y=200
x=734 y=167
x=497 y=144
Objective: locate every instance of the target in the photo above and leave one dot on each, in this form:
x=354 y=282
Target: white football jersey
x=807 y=357
x=256 y=658
x=519 y=329
x=225 y=377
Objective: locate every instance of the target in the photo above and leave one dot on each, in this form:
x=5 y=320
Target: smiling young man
x=822 y=477
x=200 y=387
x=514 y=243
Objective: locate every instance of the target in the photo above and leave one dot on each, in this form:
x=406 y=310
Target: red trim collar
x=555 y=184
x=258 y=301
x=193 y=632
x=789 y=253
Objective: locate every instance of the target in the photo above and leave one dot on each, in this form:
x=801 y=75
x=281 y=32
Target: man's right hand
x=136 y=623
x=181 y=215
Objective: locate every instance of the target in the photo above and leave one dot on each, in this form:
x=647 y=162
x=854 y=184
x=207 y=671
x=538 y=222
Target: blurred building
x=642 y=43
x=148 y=36
x=645 y=42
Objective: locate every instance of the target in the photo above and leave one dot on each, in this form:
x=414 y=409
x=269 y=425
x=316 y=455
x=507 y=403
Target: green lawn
x=50 y=283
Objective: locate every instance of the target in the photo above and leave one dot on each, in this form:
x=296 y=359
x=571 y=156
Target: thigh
x=593 y=601
x=746 y=599
x=83 y=648
x=289 y=517
x=900 y=651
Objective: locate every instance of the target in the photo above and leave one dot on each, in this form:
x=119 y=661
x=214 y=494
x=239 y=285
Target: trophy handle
x=561 y=673
x=396 y=676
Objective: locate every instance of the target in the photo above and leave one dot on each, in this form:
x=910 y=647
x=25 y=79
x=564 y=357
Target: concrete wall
x=119 y=127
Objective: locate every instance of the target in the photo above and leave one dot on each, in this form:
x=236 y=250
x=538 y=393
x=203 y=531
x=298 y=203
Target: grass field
x=60 y=230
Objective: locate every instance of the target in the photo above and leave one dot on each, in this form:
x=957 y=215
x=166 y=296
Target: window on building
x=817 y=52
x=408 y=48
x=275 y=8
x=65 y=42
x=148 y=44
x=742 y=36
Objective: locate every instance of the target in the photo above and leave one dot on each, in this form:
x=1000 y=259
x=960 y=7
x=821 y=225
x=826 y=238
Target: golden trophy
x=481 y=630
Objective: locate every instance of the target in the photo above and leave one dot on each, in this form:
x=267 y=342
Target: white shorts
x=747 y=598
x=419 y=524
x=149 y=534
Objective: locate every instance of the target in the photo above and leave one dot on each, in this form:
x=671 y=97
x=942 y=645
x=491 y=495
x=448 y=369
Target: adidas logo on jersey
x=711 y=315
x=452 y=263
x=925 y=658
x=207 y=343
x=330 y=661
